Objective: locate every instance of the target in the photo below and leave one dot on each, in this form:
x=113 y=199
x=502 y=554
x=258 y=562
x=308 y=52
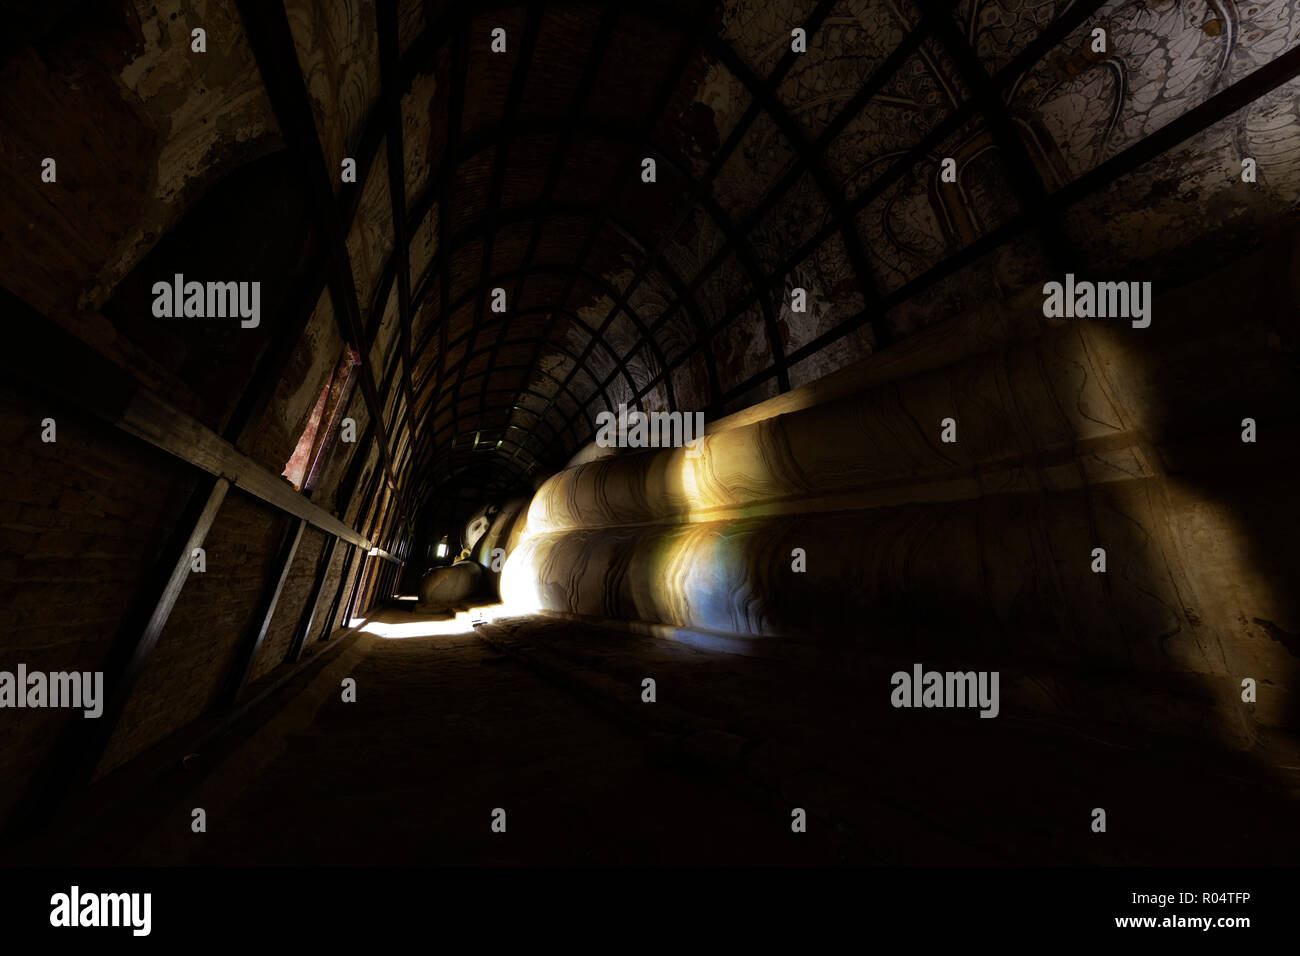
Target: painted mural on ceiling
x=776 y=170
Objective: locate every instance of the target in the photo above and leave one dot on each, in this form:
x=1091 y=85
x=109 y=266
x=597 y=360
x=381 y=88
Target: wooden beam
x=391 y=97
x=356 y=586
x=150 y=419
x=338 y=592
x=351 y=596
x=266 y=24
x=1025 y=181
x=266 y=611
x=88 y=812
x=180 y=571
x=80 y=748
x=373 y=488
x=313 y=602
x=57 y=363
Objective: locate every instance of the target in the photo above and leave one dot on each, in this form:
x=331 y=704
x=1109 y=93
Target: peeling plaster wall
x=212 y=114
x=194 y=658
x=80 y=524
x=339 y=56
x=143 y=131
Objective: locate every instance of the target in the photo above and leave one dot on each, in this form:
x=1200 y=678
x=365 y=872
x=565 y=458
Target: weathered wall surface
x=168 y=160
x=192 y=662
x=291 y=606
x=81 y=520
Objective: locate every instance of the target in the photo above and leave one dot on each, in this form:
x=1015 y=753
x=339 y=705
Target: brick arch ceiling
x=820 y=169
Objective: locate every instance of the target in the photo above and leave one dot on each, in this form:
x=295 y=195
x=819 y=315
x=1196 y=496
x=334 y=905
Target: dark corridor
x=821 y=433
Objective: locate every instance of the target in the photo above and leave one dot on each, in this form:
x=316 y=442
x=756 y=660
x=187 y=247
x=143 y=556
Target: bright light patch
x=519 y=583
x=462 y=623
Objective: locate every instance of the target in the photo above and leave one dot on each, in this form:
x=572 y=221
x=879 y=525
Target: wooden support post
x=332 y=618
x=79 y=750
x=356 y=586
x=313 y=602
x=149 y=418
x=266 y=610
x=162 y=608
x=391 y=95
x=365 y=602
x=59 y=364
x=266 y=25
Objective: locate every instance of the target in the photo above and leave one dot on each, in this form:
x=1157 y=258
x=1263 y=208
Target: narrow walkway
x=445 y=730
x=544 y=719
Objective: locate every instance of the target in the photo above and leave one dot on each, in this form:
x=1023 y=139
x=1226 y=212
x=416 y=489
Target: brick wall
x=327 y=595
x=193 y=660
x=81 y=521
x=292 y=604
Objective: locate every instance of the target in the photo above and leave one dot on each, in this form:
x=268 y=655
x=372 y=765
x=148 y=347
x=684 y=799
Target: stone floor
x=545 y=719
x=444 y=730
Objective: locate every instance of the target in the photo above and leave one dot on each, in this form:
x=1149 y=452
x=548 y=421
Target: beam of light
x=520 y=582
x=463 y=623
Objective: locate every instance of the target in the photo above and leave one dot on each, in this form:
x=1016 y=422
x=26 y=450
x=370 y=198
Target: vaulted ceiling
x=775 y=169
x=820 y=169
